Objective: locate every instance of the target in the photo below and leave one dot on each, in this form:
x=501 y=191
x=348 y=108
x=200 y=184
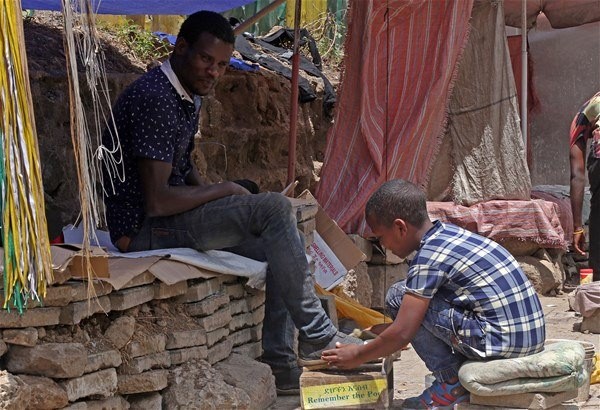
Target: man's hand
x=343 y=356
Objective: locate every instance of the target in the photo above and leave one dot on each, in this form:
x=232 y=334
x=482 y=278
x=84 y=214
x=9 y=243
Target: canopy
x=157 y=7
x=560 y=13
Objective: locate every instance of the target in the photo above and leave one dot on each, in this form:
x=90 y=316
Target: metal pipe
x=250 y=21
x=294 y=98
x=524 y=73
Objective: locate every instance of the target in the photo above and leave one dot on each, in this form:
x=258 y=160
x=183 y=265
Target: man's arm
x=194 y=177
x=393 y=338
x=577 y=184
x=161 y=199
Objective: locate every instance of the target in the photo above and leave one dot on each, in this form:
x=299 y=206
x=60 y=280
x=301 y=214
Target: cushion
x=559 y=367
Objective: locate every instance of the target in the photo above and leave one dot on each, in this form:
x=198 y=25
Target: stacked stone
x=133 y=362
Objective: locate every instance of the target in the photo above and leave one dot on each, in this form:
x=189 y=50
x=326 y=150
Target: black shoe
x=287 y=381
x=309 y=354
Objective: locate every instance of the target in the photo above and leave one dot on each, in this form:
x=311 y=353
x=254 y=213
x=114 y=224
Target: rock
x=357 y=285
x=195 y=383
x=29 y=392
x=3 y=348
x=120 y=331
x=251 y=376
x=152 y=401
x=544 y=273
x=102 y=383
x=56 y=360
x=146 y=382
x=22 y=337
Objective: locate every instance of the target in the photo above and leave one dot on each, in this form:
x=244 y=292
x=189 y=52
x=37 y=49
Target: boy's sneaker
x=287 y=381
x=439 y=396
x=309 y=354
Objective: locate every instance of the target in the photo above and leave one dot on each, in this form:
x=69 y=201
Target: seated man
x=465 y=297
x=163 y=203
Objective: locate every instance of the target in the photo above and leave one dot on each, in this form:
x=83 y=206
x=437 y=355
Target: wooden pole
x=294 y=98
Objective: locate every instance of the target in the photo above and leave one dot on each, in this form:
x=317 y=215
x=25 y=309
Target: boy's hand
x=343 y=356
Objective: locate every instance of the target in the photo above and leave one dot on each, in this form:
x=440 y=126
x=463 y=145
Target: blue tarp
x=159 y=7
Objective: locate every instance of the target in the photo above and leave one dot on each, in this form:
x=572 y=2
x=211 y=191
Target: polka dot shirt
x=155 y=119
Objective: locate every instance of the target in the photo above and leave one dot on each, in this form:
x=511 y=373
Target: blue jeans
x=261 y=227
x=439 y=341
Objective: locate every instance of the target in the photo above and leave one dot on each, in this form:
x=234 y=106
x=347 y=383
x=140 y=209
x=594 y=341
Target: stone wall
x=134 y=347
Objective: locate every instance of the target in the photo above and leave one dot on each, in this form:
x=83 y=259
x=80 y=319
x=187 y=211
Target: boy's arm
x=577 y=184
x=393 y=338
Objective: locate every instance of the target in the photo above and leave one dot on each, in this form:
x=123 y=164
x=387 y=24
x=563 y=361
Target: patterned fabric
x=587 y=119
x=155 y=119
x=400 y=60
x=480 y=276
x=560 y=367
x=536 y=221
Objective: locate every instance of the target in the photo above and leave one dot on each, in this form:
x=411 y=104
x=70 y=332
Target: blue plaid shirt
x=477 y=275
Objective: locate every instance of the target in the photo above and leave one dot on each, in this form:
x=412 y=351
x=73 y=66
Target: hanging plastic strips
x=26 y=248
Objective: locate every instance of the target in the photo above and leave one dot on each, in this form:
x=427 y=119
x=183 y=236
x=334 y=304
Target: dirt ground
x=410 y=372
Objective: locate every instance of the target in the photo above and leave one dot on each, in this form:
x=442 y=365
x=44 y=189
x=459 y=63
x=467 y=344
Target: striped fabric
x=536 y=220
x=401 y=56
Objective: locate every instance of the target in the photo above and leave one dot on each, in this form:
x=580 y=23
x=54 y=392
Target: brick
x=54 y=360
x=306 y=212
x=164 y=291
x=220 y=351
x=202 y=290
x=247 y=319
x=151 y=401
x=252 y=350
x=75 y=312
x=207 y=306
x=238 y=306
x=216 y=335
x=56 y=296
x=186 y=338
x=80 y=289
x=103 y=360
x=235 y=291
x=142 y=279
x=256 y=298
x=142 y=383
x=128 y=298
x=140 y=364
x=102 y=383
x=364 y=245
x=220 y=318
x=308 y=226
x=241 y=337
x=150 y=344
x=190 y=353
x=22 y=337
x=30 y=318
x=229 y=278
x=112 y=403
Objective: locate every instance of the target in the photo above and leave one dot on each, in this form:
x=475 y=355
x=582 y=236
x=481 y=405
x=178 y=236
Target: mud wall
x=244 y=134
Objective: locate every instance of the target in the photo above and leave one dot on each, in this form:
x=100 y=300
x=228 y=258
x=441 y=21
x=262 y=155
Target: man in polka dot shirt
x=163 y=202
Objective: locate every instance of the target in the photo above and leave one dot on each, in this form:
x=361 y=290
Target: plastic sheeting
x=121 y=7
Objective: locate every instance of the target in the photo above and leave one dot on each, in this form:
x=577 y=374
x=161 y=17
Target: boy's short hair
x=206 y=21
x=398 y=199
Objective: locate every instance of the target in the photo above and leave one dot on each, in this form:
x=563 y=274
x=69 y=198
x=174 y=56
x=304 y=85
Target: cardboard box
x=368 y=387
x=345 y=251
x=73 y=258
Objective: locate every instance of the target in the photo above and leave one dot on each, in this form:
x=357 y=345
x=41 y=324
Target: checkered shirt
x=477 y=275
